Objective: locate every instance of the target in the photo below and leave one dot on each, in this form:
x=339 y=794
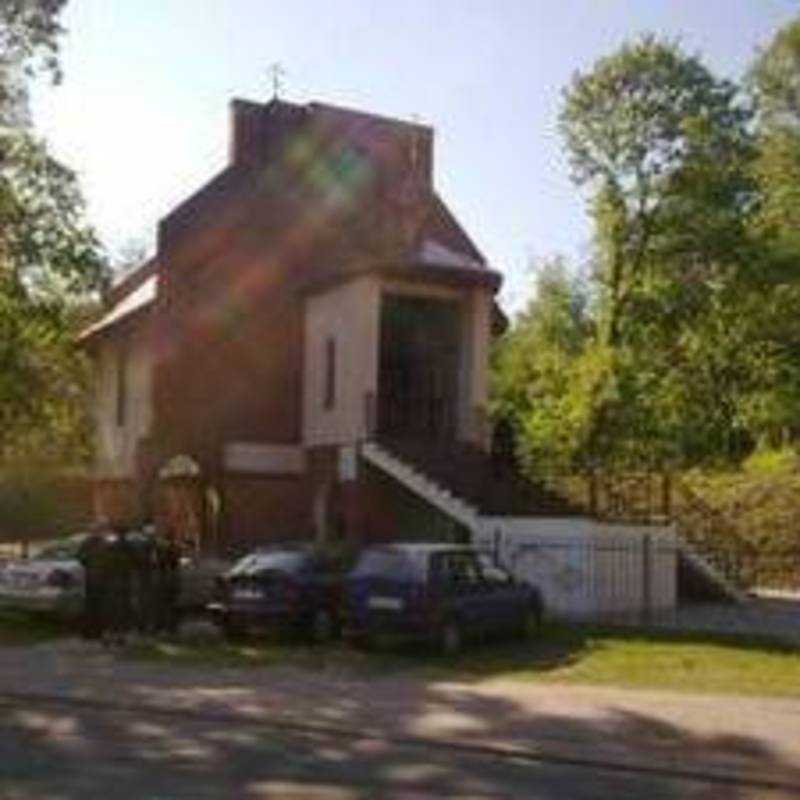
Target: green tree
x=661 y=144
x=666 y=150
x=51 y=265
x=534 y=364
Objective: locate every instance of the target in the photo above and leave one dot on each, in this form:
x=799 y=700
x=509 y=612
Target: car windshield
x=384 y=563
x=60 y=551
x=492 y=571
x=281 y=560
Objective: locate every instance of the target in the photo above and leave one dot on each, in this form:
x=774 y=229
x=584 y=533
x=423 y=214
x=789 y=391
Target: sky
x=142 y=114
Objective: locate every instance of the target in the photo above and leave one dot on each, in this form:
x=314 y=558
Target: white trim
x=141 y=297
x=436 y=254
x=264 y=459
x=437 y=496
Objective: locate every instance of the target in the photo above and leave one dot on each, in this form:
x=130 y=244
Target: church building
x=306 y=354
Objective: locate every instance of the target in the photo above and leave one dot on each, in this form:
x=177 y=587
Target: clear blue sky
x=142 y=114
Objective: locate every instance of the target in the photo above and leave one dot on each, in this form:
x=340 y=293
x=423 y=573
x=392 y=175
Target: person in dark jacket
x=91 y=557
x=118 y=587
x=167 y=583
x=144 y=582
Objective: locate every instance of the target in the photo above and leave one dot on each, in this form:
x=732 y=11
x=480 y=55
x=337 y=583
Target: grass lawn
x=22 y=628
x=644 y=659
x=561 y=654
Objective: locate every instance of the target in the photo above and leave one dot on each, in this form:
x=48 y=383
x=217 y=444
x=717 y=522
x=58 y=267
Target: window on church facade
x=330 y=374
x=122 y=386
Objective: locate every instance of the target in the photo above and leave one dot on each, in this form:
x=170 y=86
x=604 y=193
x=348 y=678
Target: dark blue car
x=294 y=588
x=442 y=593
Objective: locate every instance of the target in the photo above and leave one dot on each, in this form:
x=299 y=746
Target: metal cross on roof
x=276 y=72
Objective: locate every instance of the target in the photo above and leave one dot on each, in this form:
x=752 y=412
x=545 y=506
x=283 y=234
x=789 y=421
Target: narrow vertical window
x=122 y=385
x=330 y=373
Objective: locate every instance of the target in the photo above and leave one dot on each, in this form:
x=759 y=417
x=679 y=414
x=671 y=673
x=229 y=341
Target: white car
x=52 y=580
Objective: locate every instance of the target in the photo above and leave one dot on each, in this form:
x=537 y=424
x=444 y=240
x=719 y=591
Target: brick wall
x=262 y=509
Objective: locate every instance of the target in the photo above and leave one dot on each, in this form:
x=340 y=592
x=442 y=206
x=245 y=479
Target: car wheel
x=322 y=627
x=532 y=619
x=451 y=639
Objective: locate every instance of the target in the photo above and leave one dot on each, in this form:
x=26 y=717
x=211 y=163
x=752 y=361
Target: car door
x=504 y=602
x=325 y=585
x=463 y=590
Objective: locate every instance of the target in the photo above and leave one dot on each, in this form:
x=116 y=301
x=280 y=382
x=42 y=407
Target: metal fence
x=595 y=574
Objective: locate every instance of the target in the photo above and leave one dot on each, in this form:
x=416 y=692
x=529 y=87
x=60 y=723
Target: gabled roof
x=355 y=184
x=133 y=294
x=338 y=190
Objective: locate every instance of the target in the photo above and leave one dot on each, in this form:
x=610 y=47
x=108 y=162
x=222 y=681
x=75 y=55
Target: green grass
x=645 y=659
x=561 y=654
x=19 y=628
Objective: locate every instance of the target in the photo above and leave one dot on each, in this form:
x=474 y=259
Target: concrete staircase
x=714 y=553
x=462 y=482
x=416 y=481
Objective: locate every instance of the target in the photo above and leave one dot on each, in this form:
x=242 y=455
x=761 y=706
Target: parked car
x=438 y=592
x=53 y=579
x=282 y=587
x=50 y=581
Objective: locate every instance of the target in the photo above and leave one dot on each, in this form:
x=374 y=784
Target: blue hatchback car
x=439 y=592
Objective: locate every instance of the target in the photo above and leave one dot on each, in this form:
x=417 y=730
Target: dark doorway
x=419 y=360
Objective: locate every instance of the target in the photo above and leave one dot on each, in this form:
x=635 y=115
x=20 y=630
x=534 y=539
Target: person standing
x=92 y=559
x=119 y=566
x=168 y=583
x=144 y=581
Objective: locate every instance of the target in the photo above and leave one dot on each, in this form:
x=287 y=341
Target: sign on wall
x=348 y=463
x=264 y=459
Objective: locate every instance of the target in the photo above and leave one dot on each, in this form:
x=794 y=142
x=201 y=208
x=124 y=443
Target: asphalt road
x=76 y=750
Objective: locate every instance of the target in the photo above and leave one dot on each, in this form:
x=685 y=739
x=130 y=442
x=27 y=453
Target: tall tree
x=534 y=365
x=50 y=260
x=649 y=129
x=774 y=82
x=665 y=149
x=29 y=43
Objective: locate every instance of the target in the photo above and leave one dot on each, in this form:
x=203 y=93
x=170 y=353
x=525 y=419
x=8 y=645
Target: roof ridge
x=330 y=107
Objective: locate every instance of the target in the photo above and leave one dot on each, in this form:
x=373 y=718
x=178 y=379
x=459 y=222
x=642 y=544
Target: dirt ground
x=752 y=739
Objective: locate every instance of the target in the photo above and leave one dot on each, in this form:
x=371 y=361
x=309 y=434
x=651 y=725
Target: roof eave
x=91 y=335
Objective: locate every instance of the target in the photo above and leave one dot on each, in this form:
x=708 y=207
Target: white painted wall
x=587 y=569
x=115 y=445
x=475 y=369
x=350 y=314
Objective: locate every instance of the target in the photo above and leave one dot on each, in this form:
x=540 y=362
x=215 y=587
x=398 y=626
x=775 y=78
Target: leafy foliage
x=29 y=36
x=51 y=266
x=689 y=345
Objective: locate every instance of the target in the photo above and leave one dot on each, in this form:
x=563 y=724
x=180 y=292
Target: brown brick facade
x=313 y=195
x=262 y=509
x=116 y=501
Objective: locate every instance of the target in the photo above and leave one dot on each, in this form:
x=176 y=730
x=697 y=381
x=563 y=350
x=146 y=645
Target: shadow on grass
x=76 y=750
x=19 y=627
x=557 y=653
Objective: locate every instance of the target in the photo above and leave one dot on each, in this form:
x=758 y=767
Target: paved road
x=209 y=731
x=76 y=750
